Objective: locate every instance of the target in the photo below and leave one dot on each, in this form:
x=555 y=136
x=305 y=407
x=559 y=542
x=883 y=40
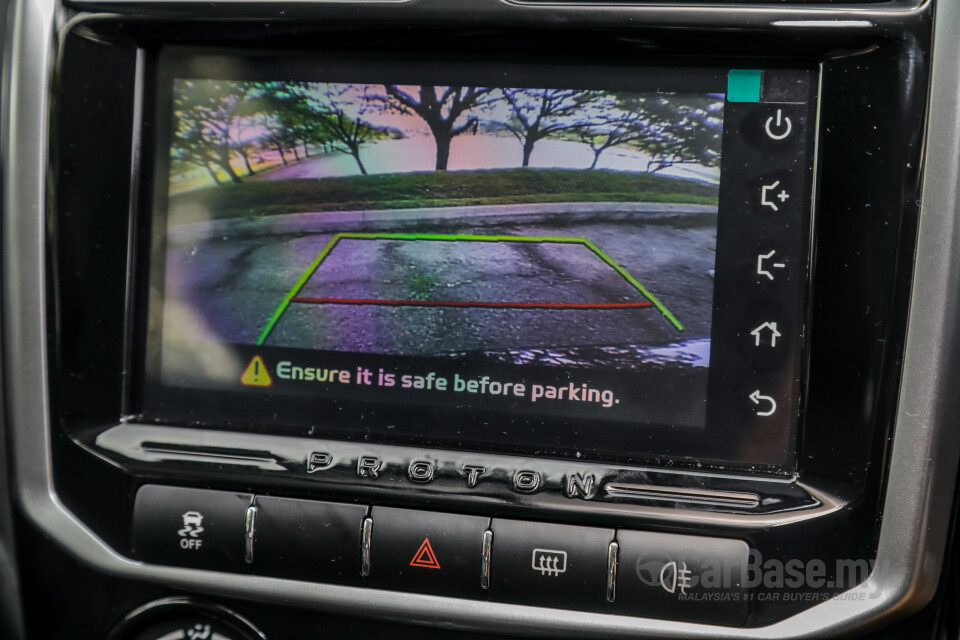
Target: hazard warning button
x=256 y=374
x=427 y=552
x=425 y=557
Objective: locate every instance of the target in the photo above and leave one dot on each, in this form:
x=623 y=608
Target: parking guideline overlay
x=332 y=243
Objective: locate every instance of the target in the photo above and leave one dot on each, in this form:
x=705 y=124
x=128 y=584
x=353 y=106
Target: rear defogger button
x=550 y=565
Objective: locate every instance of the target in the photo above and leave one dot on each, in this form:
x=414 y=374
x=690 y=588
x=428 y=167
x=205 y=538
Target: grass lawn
x=433 y=189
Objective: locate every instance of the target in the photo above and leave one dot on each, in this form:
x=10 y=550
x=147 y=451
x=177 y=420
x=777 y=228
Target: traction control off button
x=194 y=528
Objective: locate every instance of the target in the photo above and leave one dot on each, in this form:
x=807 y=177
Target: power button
x=778 y=126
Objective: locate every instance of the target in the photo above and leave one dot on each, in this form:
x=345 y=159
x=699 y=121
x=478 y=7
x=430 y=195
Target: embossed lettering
x=421 y=471
x=318 y=461
x=473 y=474
x=527 y=481
x=580 y=486
x=369 y=466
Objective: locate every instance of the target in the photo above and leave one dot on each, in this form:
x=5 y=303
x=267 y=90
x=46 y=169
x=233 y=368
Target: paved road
x=229 y=286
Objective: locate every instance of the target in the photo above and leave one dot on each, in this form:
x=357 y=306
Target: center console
x=526 y=317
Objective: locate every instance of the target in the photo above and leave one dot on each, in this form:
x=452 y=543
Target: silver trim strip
x=924 y=449
x=820 y=24
x=319 y=2
x=161 y=453
x=135 y=164
x=366 y=535
x=486 y=550
x=249 y=531
x=734 y=12
x=613 y=556
x=741 y=499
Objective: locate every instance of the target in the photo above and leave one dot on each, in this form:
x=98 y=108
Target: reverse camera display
x=560 y=227
x=325 y=238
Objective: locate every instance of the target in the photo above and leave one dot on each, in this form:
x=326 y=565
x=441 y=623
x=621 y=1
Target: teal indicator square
x=743 y=85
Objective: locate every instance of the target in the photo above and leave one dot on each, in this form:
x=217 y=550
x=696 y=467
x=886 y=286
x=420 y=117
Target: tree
x=244 y=145
x=618 y=126
x=539 y=113
x=189 y=146
x=441 y=111
x=684 y=130
x=286 y=116
x=333 y=127
x=670 y=129
x=205 y=113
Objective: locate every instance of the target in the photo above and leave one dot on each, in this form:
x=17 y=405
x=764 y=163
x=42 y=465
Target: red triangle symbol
x=425 y=557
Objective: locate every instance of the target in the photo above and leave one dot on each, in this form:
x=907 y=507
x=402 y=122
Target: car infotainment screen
x=595 y=261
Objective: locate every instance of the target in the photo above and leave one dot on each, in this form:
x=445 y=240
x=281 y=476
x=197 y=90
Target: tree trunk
x=596 y=157
x=213 y=174
x=296 y=154
x=224 y=164
x=527 y=150
x=658 y=166
x=283 y=158
x=246 y=161
x=234 y=178
x=443 y=149
x=355 y=152
x=306 y=150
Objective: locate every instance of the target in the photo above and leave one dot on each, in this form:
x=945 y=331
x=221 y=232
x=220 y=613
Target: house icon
x=760 y=333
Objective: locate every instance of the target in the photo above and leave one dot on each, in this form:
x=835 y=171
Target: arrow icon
x=757 y=399
x=766 y=326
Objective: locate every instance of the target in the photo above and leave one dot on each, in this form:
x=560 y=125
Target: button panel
x=626 y=572
x=762 y=256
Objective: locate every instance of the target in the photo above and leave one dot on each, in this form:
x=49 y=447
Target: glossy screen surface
x=445 y=261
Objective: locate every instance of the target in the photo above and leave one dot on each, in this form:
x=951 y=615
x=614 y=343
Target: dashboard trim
x=519 y=12
x=288 y=460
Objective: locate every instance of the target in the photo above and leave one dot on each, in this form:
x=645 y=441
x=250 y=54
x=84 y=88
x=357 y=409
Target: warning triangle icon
x=256 y=374
x=425 y=557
